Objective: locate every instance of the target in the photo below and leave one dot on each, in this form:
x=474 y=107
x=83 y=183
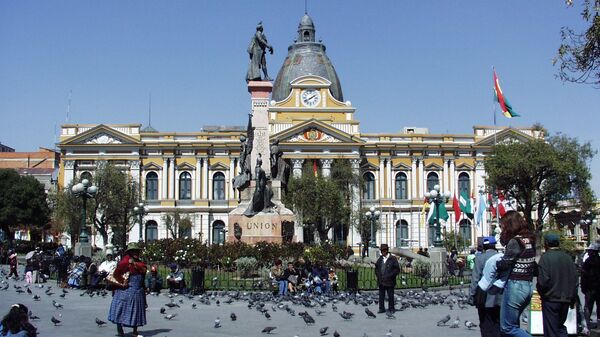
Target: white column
x=326 y=167
x=165 y=179
x=413 y=179
x=354 y=237
x=69 y=172
x=297 y=167
x=198 y=179
x=230 y=190
x=445 y=176
x=205 y=178
x=172 y=179
x=380 y=192
x=134 y=167
x=452 y=177
x=421 y=177
x=391 y=180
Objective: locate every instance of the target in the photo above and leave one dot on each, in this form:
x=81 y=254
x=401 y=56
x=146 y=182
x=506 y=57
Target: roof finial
x=305 y=6
x=150 y=108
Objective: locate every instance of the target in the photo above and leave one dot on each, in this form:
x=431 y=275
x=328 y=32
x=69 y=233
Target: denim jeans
x=517 y=295
x=282 y=287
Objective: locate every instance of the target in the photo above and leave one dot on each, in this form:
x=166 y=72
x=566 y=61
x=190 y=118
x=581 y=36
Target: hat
x=133 y=246
x=173 y=265
x=489 y=240
x=384 y=246
x=552 y=239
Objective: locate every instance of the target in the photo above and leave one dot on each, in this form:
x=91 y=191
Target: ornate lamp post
x=84 y=190
x=373 y=215
x=589 y=221
x=140 y=210
x=438 y=198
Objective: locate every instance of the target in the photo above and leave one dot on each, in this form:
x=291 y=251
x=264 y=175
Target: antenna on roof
x=149 y=108
x=305 y=6
x=69 y=106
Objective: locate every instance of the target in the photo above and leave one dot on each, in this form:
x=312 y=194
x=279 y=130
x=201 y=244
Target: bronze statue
x=237 y=231
x=261 y=199
x=280 y=169
x=241 y=181
x=257 y=51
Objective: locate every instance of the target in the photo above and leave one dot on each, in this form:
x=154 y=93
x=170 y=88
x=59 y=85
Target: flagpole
x=494 y=108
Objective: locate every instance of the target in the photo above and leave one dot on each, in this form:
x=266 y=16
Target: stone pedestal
x=259 y=92
x=438 y=257
x=83 y=249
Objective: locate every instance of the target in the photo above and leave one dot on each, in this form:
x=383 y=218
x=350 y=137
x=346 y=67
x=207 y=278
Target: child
x=334 y=280
x=12 y=261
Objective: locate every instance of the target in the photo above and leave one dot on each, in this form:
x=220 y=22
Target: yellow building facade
x=193 y=171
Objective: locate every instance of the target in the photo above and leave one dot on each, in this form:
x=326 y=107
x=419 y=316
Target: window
x=432 y=180
x=464 y=184
x=401 y=186
x=369 y=186
x=151 y=230
x=185 y=232
x=151 y=186
x=185 y=186
x=218 y=232
x=465 y=231
x=219 y=186
x=401 y=233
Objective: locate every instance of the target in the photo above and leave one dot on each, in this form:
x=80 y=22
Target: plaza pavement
x=79 y=313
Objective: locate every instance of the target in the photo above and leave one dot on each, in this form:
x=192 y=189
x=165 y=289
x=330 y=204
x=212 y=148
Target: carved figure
x=237 y=231
x=280 y=169
x=261 y=199
x=241 y=181
x=257 y=51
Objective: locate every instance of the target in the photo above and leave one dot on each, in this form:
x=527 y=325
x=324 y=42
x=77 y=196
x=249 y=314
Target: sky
x=400 y=63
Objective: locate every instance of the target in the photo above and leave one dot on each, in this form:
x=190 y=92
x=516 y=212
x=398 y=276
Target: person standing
x=12 y=262
x=386 y=270
x=590 y=282
x=517 y=266
x=557 y=286
x=489 y=312
x=128 y=306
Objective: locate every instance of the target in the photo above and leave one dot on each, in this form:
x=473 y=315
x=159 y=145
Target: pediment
x=185 y=167
x=401 y=167
x=368 y=166
x=464 y=166
x=219 y=167
x=102 y=135
x=505 y=136
x=152 y=167
x=314 y=131
x=434 y=167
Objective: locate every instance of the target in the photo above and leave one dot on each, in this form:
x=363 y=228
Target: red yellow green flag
x=507 y=109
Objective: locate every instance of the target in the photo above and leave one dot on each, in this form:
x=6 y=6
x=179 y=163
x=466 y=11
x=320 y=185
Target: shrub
x=421 y=268
x=246 y=266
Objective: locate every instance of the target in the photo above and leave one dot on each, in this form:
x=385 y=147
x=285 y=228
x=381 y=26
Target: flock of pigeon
x=312 y=309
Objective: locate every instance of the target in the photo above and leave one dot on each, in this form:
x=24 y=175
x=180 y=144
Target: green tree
x=66 y=212
x=579 y=53
x=319 y=201
x=177 y=223
x=539 y=173
x=23 y=202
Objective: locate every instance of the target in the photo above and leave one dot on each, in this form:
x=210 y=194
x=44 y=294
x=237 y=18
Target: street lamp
x=589 y=222
x=373 y=215
x=84 y=190
x=140 y=210
x=438 y=198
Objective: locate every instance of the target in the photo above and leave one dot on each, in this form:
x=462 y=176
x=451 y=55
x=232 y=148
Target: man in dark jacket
x=489 y=313
x=590 y=282
x=386 y=270
x=557 y=286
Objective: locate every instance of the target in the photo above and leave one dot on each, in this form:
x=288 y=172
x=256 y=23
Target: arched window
x=401 y=186
x=218 y=232
x=151 y=230
x=464 y=184
x=465 y=231
x=369 y=186
x=219 y=186
x=86 y=175
x=401 y=233
x=151 y=186
x=185 y=186
x=432 y=180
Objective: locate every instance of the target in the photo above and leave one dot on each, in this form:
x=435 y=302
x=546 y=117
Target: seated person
x=16 y=323
x=291 y=276
x=153 y=282
x=175 y=279
x=77 y=274
x=106 y=267
x=333 y=279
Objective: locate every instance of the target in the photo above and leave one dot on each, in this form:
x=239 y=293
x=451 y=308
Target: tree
x=177 y=223
x=23 y=202
x=539 y=173
x=319 y=201
x=66 y=212
x=579 y=53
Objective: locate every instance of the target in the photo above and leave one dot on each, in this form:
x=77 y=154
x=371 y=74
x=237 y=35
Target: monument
x=263 y=173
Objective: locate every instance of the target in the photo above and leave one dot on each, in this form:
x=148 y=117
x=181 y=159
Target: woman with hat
x=128 y=306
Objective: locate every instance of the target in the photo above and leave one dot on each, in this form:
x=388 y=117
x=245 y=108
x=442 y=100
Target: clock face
x=310 y=97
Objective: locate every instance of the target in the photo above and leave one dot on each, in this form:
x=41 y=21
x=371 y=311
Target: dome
x=305 y=57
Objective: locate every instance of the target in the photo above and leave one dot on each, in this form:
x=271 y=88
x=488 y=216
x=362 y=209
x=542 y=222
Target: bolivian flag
x=507 y=109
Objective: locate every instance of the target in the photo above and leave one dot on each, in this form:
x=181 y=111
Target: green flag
x=432 y=214
x=465 y=204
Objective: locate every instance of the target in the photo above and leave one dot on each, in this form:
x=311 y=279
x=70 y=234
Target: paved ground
x=79 y=313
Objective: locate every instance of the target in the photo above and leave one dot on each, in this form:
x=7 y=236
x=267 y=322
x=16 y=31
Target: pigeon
x=170 y=316
x=193 y=305
x=323 y=331
x=346 y=315
x=36 y=297
x=444 y=321
x=29 y=291
x=336 y=334
x=217 y=323
x=334 y=307
x=369 y=313
x=63 y=295
x=100 y=322
x=233 y=316
x=163 y=310
x=57 y=305
x=470 y=325
x=268 y=329
x=172 y=305
x=456 y=323
x=389 y=333
x=319 y=312
x=390 y=315
x=54 y=320
x=267 y=315
x=308 y=319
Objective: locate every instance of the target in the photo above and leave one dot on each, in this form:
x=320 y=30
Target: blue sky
x=401 y=63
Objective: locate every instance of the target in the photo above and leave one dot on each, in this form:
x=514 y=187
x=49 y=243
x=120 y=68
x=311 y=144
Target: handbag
x=479 y=298
x=293 y=279
x=113 y=281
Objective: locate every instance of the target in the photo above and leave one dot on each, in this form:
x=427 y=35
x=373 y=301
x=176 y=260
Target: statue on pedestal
x=257 y=51
x=280 y=169
x=241 y=181
x=261 y=199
